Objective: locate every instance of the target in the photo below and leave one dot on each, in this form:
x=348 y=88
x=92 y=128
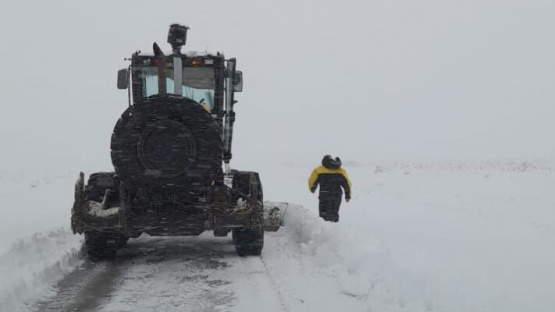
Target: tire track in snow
x=255 y=286
x=169 y=274
x=277 y=288
x=174 y=274
x=84 y=289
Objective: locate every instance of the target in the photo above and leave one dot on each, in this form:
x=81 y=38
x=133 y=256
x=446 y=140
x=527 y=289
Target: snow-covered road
x=205 y=274
x=169 y=274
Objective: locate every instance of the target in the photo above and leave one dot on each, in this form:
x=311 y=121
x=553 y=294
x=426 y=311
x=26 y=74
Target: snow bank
x=36 y=246
x=33 y=202
x=327 y=267
x=451 y=236
x=32 y=265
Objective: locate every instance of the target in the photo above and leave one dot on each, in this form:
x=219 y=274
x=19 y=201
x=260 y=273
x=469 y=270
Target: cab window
x=198 y=83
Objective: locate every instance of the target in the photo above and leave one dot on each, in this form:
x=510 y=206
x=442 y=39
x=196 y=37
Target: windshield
x=198 y=83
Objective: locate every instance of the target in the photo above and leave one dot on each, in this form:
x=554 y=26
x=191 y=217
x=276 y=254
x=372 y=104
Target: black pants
x=329 y=208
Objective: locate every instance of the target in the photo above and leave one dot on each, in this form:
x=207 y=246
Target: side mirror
x=123 y=78
x=238 y=81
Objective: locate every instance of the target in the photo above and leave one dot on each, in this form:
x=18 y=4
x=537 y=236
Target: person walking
x=332 y=179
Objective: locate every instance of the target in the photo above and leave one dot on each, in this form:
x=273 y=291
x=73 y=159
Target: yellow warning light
x=197 y=62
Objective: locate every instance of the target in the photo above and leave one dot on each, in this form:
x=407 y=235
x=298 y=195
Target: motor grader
x=171 y=150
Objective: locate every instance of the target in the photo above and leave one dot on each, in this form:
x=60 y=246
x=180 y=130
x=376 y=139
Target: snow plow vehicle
x=171 y=150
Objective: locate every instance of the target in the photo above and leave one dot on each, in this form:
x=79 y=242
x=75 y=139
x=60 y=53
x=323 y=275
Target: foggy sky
x=360 y=79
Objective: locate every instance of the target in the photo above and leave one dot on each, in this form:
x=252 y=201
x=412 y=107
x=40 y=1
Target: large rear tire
x=101 y=245
x=247 y=186
x=248 y=242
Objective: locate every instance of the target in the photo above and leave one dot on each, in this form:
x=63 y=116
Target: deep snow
x=463 y=236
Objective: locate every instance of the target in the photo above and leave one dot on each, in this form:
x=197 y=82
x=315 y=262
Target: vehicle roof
x=187 y=54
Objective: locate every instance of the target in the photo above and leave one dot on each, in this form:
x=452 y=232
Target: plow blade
x=274 y=215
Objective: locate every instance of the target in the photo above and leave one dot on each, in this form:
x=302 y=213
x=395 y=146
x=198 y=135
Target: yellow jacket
x=331 y=181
